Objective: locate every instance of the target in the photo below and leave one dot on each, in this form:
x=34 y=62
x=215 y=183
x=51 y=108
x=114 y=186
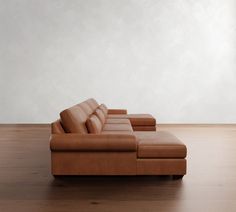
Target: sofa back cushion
x=104 y=109
x=92 y=103
x=73 y=120
x=86 y=108
x=98 y=112
x=94 y=125
x=56 y=127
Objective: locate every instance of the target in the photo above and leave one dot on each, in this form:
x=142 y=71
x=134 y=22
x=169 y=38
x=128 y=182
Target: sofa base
x=161 y=166
x=93 y=163
x=113 y=163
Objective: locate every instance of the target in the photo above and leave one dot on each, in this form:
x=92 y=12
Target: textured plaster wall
x=175 y=59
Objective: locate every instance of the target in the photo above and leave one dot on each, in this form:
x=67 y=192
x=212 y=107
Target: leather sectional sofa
x=90 y=139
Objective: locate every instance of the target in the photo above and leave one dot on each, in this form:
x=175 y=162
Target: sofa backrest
x=73 y=120
x=92 y=103
x=56 y=127
x=86 y=108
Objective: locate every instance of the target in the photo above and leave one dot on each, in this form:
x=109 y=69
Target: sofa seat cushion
x=117 y=121
x=136 y=119
x=117 y=127
x=159 y=144
x=109 y=132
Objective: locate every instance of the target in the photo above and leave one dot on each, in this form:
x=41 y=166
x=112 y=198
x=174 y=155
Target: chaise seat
x=160 y=153
x=159 y=145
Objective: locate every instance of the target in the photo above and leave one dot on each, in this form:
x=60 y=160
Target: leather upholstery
x=124 y=132
x=152 y=166
x=117 y=121
x=144 y=128
x=117 y=127
x=92 y=103
x=159 y=145
x=112 y=147
x=94 y=163
x=86 y=108
x=94 y=125
x=104 y=109
x=56 y=127
x=91 y=142
x=136 y=119
x=98 y=112
x=73 y=120
x=117 y=111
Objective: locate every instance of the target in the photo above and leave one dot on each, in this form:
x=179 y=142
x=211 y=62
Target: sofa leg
x=177 y=177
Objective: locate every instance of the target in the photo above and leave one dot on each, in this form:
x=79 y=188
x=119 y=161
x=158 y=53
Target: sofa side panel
x=161 y=166
x=93 y=163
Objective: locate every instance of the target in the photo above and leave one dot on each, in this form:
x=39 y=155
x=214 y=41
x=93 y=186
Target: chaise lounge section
x=90 y=139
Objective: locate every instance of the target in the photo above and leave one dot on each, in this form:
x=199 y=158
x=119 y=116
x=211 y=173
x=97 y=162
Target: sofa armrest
x=92 y=142
x=117 y=111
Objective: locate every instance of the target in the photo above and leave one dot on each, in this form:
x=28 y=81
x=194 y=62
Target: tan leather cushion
x=136 y=119
x=117 y=121
x=94 y=125
x=117 y=111
x=86 y=108
x=98 y=112
x=117 y=132
x=56 y=127
x=142 y=119
x=73 y=120
x=104 y=109
x=144 y=128
x=117 y=127
x=92 y=103
x=159 y=144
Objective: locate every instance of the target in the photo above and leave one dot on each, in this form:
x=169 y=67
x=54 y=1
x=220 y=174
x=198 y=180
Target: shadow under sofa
x=90 y=139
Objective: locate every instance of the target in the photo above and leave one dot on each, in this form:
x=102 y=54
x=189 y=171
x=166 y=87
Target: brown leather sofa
x=90 y=139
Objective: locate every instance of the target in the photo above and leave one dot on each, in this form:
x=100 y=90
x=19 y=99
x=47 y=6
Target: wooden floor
x=210 y=184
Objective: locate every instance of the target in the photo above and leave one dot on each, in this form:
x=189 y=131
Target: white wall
x=175 y=59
